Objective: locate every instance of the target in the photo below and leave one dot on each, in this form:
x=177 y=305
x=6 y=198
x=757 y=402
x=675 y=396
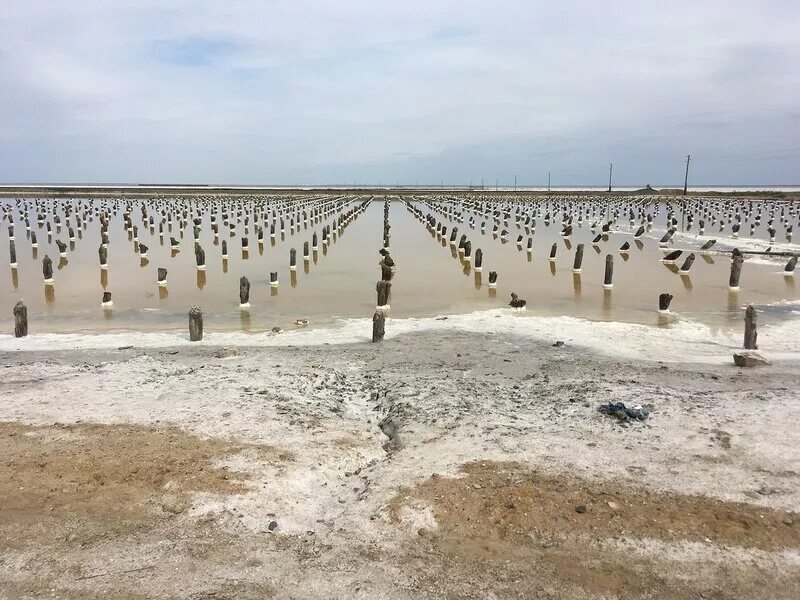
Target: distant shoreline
x=177 y=190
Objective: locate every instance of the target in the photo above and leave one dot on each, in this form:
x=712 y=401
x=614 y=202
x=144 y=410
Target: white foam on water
x=682 y=340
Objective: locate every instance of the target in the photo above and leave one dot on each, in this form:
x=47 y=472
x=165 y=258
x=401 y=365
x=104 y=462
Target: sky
x=365 y=91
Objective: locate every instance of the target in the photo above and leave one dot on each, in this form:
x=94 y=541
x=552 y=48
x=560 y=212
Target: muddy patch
x=86 y=482
x=532 y=532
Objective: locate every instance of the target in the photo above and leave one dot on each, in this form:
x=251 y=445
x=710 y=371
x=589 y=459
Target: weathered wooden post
x=384 y=289
x=102 y=253
x=736 y=271
x=62 y=248
x=750 y=330
x=34 y=242
x=244 y=292
x=378 y=326
x=224 y=249
x=478 y=260
x=106 y=301
x=492 y=279
x=200 y=257
x=12 y=254
x=47 y=270
x=609 y=275
x=20 y=320
x=687 y=264
x=273 y=279
x=292 y=259
x=576 y=266
x=663 y=302
x=790 y=266
x=553 y=250
x=195 y=324
x=142 y=251
x=161 y=278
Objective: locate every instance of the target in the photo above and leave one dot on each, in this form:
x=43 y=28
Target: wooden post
x=20 y=320
x=47 y=269
x=687 y=264
x=789 y=268
x=106 y=301
x=492 y=279
x=12 y=254
x=162 y=277
x=736 y=271
x=750 y=330
x=200 y=257
x=384 y=289
x=478 y=260
x=378 y=326
x=553 y=250
x=195 y=324
x=609 y=276
x=576 y=266
x=663 y=302
x=292 y=259
x=244 y=292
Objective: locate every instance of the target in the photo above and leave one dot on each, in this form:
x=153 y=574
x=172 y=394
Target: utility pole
x=548 y=181
x=482 y=188
x=610 y=170
x=686 y=178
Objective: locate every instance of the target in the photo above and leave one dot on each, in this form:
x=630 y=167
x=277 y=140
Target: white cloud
x=293 y=91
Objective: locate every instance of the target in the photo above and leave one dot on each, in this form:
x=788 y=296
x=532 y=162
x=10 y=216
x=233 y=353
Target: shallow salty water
x=339 y=280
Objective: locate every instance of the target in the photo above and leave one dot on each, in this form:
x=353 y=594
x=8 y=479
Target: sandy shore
x=438 y=464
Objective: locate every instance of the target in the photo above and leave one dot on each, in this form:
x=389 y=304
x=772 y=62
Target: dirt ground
x=470 y=467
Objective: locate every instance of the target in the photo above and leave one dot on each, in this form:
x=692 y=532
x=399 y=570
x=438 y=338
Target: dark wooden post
x=20 y=320
x=789 y=268
x=609 y=275
x=663 y=302
x=750 y=330
x=478 y=260
x=553 y=250
x=47 y=269
x=736 y=271
x=12 y=254
x=576 y=266
x=200 y=257
x=195 y=324
x=384 y=289
x=162 y=277
x=292 y=259
x=378 y=326
x=244 y=292
x=492 y=279
x=106 y=302
x=687 y=264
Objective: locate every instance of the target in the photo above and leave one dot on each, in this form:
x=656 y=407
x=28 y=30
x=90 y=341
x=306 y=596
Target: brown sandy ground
x=447 y=466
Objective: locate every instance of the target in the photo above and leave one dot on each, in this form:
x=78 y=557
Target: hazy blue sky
x=297 y=91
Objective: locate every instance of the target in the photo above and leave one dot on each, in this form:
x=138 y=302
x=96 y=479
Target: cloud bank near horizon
x=315 y=92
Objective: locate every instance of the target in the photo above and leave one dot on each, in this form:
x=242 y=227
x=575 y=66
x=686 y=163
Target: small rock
x=124 y=347
x=788 y=521
x=580 y=509
x=173 y=506
x=273 y=525
x=276 y=330
x=613 y=505
x=558 y=344
x=226 y=353
x=749 y=359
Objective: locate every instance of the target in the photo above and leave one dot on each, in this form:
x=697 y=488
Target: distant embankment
x=172 y=190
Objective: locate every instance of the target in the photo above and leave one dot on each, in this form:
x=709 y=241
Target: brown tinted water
x=339 y=280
